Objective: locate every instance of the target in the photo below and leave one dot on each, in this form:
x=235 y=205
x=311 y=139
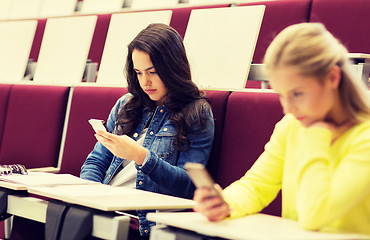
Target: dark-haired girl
x=162 y=123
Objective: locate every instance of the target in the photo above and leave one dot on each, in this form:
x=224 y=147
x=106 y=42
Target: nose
x=146 y=80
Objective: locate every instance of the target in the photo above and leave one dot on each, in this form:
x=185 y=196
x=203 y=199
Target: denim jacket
x=163 y=169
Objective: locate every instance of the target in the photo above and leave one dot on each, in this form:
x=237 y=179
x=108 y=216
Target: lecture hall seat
x=33 y=125
x=278 y=15
x=97 y=43
x=218 y=101
x=87 y=102
x=99 y=37
x=35 y=49
x=4 y=98
x=249 y=122
x=349 y=21
x=180 y=16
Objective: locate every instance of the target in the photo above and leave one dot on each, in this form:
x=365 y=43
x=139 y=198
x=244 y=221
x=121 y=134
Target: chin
x=306 y=122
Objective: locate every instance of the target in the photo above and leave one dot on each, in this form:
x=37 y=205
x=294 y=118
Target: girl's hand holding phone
x=211 y=206
x=121 y=146
x=208 y=194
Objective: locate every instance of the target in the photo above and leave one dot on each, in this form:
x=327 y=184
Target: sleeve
x=99 y=160
x=173 y=179
x=331 y=184
x=261 y=184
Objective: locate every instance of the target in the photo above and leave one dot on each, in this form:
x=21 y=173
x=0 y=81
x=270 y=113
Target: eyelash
x=139 y=73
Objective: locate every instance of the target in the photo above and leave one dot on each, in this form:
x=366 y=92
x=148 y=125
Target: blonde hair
x=310 y=50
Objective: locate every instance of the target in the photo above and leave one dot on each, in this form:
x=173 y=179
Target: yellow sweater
x=324 y=186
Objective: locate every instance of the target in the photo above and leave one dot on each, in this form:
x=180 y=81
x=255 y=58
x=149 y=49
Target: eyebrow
x=290 y=91
x=149 y=68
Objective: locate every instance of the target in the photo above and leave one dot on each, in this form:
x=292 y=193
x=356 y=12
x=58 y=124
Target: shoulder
x=122 y=101
x=201 y=106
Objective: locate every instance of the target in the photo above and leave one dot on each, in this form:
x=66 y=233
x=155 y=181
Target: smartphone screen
x=97 y=124
x=200 y=177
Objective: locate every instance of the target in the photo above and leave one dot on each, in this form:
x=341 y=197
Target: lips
x=150 y=91
x=300 y=118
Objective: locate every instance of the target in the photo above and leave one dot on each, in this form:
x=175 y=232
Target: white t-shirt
x=126 y=173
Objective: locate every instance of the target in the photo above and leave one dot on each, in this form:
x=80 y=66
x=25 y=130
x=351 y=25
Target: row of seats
x=347 y=21
x=24 y=9
x=47 y=126
x=66 y=37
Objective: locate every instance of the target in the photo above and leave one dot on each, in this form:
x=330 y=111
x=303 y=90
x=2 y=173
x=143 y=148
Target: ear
x=334 y=76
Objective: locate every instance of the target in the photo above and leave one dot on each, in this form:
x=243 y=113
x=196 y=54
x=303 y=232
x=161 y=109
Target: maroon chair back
x=180 y=16
x=34 y=125
x=249 y=122
x=37 y=40
x=87 y=102
x=278 y=15
x=99 y=37
x=349 y=21
x=4 y=98
x=217 y=100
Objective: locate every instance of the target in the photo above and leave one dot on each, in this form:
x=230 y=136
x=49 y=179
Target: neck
x=338 y=115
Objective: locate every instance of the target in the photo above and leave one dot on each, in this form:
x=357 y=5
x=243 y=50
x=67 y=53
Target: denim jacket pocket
x=163 y=144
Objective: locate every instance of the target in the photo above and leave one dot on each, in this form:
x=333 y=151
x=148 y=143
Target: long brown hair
x=184 y=100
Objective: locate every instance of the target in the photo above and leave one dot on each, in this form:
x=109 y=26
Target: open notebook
x=40 y=179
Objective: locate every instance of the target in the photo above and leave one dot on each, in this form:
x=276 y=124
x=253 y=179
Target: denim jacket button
x=136 y=134
x=146 y=230
x=165 y=129
x=151 y=133
x=161 y=111
x=108 y=176
x=140 y=182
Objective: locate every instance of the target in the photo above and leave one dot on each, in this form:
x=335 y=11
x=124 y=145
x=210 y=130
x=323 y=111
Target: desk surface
x=258 y=226
x=13 y=186
x=107 y=198
x=359 y=55
x=68 y=188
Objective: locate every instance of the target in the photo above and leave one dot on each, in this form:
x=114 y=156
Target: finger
x=217 y=214
x=218 y=187
x=105 y=134
x=105 y=141
x=209 y=203
x=201 y=193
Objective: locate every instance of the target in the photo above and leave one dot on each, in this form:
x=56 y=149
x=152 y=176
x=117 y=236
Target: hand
x=122 y=146
x=213 y=207
x=337 y=130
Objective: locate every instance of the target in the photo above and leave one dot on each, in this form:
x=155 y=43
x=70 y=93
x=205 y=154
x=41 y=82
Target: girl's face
x=148 y=78
x=305 y=97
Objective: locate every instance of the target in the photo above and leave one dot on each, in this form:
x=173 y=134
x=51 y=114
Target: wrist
x=141 y=156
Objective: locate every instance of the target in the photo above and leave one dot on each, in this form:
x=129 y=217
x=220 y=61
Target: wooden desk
x=106 y=224
x=107 y=198
x=256 y=227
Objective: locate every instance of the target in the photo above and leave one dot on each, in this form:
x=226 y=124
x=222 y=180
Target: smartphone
x=200 y=177
x=98 y=125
